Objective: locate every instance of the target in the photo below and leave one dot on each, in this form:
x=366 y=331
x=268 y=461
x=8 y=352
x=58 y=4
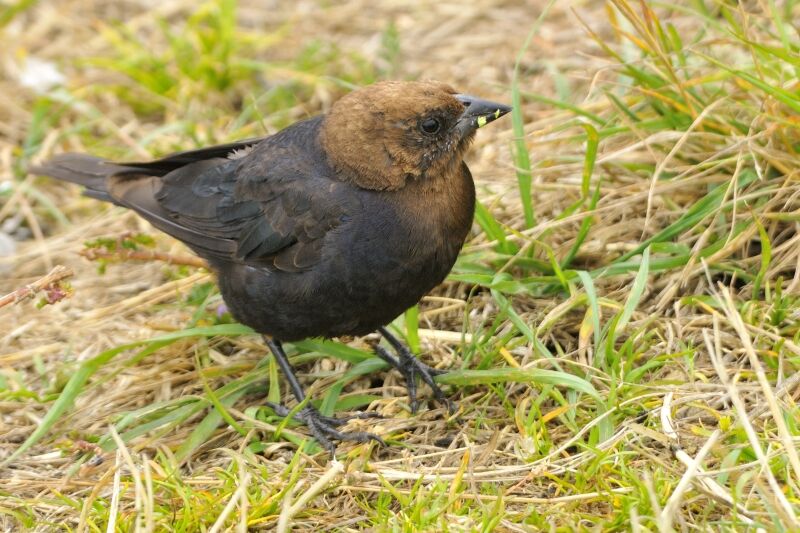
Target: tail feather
x=89 y=171
x=137 y=189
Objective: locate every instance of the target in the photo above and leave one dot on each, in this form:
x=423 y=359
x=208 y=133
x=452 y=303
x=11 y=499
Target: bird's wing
x=271 y=207
x=296 y=214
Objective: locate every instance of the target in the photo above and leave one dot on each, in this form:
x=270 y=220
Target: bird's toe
x=411 y=367
x=324 y=428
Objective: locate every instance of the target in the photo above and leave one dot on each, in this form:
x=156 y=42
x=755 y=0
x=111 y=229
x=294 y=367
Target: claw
x=323 y=428
x=411 y=367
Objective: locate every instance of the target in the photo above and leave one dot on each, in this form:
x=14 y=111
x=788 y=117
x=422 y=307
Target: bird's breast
x=412 y=238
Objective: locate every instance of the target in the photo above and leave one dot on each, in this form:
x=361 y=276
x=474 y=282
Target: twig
x=717 y=491
x=585 y=496
x=48 y=282
x=113 y=510
x=139 y=491
x=694 y=472
x=668 y=513
x=239 y=497
x=94 y=254
x=736 y=321
x=289 y=510
x=782 y=503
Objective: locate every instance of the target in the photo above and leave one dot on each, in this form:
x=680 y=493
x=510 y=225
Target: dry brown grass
x=704 y=437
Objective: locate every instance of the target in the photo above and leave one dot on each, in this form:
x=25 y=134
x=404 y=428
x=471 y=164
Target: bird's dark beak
x=478 y=113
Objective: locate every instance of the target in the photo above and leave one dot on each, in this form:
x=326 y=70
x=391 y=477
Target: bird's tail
x=89 y=171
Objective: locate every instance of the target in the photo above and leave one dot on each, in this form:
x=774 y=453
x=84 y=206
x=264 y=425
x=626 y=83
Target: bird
x=331 y=227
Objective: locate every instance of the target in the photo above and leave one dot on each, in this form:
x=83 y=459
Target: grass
x=621 y=327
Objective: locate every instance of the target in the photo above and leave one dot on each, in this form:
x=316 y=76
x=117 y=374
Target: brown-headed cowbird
x=333 y=226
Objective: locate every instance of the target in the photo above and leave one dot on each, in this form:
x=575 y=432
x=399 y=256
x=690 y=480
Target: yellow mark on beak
x=481 y=122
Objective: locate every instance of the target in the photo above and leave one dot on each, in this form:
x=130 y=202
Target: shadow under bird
x=333 y=226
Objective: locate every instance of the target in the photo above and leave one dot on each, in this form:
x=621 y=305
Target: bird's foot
x=411 y=367
x=324 y=428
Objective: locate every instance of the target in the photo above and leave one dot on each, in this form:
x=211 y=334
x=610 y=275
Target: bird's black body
x=361 y=260
x=308 y=237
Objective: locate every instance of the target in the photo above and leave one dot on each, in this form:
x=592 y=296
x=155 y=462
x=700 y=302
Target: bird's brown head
x=380 y=136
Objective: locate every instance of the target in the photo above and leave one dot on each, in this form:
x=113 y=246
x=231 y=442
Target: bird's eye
x=430 y=126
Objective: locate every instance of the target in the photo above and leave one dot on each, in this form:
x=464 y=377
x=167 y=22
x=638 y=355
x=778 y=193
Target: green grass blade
x=522 y=159
x=521 y=156
x=411 y=318
x=493 y=229
x=766 y=257
x=592 y=143
x=67 y=397
x=574 y=109
x=333 y=349
x=218 y=405
x=331 y=399
x=540 y=376
x=591 y=295
x=637 y=289
x=791 y=99
x=701 y=209
x=75 y=384
x=206 y=428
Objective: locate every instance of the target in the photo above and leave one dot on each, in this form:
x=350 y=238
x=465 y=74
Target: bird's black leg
x=411 y=367
x=322 y=427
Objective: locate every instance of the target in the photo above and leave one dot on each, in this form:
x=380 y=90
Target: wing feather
x=273 y=206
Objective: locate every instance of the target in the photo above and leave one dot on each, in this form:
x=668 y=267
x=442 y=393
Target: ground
x=620 y=329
